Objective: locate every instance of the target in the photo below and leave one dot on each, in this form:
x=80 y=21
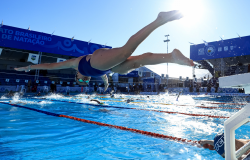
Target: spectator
x=197 y=87
x=216 y=87
x=29 y=85
x=95 y=87
x=34 y=88
x=130 y=88
x=209 y=86
x=53 y=87
x=140 y=87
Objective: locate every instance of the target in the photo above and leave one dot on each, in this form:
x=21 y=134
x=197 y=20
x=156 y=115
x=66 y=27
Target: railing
x=230 y=125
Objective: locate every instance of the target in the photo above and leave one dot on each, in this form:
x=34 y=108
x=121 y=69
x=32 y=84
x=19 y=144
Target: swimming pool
x=27 y=134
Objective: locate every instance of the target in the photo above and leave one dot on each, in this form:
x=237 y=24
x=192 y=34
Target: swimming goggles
x=81 y=80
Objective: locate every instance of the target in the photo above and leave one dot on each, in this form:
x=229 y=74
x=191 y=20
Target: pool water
x=27 y=134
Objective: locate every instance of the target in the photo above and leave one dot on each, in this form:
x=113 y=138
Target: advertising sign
x=221 y=49
x=36 y=41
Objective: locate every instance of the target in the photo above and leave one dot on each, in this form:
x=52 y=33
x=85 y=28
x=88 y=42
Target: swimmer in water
x=17 y=102
x=220 y=149
x=97 y=101
x=119 y=60
x=101 y=110
x=129 y=100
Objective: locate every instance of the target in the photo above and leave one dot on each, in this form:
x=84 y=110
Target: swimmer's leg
x=134 y=62
x=105 y=59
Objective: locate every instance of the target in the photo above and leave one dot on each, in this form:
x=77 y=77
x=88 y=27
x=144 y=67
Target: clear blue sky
x=114 y=21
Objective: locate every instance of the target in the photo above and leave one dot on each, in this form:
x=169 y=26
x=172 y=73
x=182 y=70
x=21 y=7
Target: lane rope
x=182 y=105
x=205 y=102
x=152 y=134
x=169 y=112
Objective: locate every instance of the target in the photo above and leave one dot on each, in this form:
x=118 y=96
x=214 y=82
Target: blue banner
x=36 y=41
x=221 y=49
x=149 y=80
x=131 y=74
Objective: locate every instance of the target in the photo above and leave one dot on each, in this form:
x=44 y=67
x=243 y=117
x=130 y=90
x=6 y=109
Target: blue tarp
x=36 y=41
x=221 y=49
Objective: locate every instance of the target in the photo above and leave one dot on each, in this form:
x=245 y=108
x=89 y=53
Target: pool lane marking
x=226 y=103
x=171 y=104
x=189 y=114
x=205 y=102
x=157 y=135
x=182 y=105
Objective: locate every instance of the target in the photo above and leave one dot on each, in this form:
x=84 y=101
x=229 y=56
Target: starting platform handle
x=230 y=125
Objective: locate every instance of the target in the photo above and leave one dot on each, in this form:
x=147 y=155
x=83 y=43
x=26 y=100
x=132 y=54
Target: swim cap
x=219 y=144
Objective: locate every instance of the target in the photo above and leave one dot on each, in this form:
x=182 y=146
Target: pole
x=39 y=62
x=167 y=52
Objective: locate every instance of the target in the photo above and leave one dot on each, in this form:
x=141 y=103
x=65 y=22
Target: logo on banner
x=33 y=58
x=201 y=51
x=210 y=50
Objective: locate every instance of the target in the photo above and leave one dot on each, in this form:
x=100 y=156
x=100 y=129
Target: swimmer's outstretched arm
x=72 y=63
x=95 y=101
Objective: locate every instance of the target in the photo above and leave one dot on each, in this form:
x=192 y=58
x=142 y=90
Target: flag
x=33 y=58
x=180 y=78
x=221 y=39
x=89 y=41
x=162 y=76
x=239 y=36
x=152 y=75
x=140 y=73
x=206 y=44
x=60 y=60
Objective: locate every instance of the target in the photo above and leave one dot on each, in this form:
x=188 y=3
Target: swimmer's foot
x=164 y=17
x=179 y=58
